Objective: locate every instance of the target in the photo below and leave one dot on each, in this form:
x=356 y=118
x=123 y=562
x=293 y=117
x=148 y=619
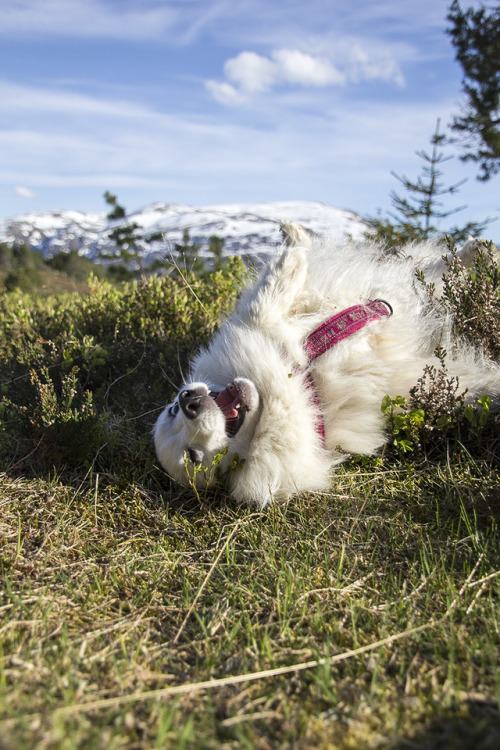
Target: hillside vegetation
x=27 y=269
x=134 y=614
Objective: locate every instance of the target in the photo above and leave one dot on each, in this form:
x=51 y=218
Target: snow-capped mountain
x=251 y=228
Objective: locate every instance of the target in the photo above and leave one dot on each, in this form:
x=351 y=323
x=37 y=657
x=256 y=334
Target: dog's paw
x=295 y=235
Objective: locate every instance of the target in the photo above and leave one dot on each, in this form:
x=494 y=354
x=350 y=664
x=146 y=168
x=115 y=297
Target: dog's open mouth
x=233 y=403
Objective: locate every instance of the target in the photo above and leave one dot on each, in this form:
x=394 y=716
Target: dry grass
x=360 y=618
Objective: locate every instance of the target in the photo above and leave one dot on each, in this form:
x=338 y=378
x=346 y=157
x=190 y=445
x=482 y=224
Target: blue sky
x=224 y=101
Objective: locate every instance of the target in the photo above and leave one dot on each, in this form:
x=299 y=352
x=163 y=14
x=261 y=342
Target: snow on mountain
x=249 y=228
x=54 y=231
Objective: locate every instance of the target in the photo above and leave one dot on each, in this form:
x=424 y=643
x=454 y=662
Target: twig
x=225 y=681
x=482 y=580
x=345 y=590
x=176 y=266
x=467 y=582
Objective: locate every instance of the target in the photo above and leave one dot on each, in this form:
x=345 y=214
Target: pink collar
x=333 y=331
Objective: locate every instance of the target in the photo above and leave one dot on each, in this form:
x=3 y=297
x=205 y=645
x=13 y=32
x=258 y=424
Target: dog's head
x=201 y=423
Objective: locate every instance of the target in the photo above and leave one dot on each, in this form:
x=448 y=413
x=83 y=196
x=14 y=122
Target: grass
x=364 y=617
x=134 y=616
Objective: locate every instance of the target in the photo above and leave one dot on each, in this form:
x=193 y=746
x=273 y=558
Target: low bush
x=437 y=413
x=75 y=370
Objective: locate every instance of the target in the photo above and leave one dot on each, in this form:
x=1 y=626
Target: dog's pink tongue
x=227 y=401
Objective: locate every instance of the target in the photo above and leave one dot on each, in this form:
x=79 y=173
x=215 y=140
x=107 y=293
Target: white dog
x=295 y=379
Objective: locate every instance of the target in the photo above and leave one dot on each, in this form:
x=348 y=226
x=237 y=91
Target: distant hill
x=248 y=228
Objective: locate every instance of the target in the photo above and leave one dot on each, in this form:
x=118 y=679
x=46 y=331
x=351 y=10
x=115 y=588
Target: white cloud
x=24 y=192
x=252 y=73
x=367 y=64
x=249 y=73
x=224 y=93
x=247 y=24
x=297 y=67
x=86 y=18
x=180 y=21
x=21 y=98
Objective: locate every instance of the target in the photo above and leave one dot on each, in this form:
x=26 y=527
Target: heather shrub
x=437 y=415
x=82 y=378
x=472 y=297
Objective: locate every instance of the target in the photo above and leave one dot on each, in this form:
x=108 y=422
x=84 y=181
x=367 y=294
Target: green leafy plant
x=404 y=424
x=119 y=347
x=193 y=470
x=59 y=425
x=437 y=410
x=213 y=478
x=435 y=413
x=471 y=296
x=478 y=415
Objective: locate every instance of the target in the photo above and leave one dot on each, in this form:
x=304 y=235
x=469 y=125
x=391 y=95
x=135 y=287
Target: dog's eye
x=195 y=455
x=173 y=409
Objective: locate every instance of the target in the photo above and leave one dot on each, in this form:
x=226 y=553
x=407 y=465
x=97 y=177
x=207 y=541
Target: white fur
x=262 y=346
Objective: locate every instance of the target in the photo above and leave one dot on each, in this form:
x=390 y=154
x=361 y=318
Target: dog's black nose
x=190 y=402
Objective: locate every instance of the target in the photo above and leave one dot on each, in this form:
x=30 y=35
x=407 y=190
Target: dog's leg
x=466 y=255
x=280 y=292
x=295 y=235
